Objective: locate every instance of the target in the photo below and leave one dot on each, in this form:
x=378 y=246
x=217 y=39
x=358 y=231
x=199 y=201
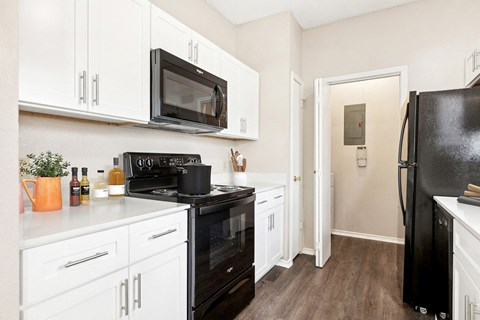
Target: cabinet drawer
x=466 y=247
x=156 y=235
x=269 y=199
x=60 y=266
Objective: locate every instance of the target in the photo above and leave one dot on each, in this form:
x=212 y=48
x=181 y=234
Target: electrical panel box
x=354 y=124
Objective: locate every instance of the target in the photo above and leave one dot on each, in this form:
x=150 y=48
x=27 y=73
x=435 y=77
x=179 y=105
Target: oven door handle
x=208 y=209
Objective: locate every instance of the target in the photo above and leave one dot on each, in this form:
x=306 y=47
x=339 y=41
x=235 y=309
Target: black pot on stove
x=194 y=178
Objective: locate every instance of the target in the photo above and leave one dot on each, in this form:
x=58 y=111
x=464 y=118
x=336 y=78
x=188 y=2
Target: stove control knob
x=192 y=160
x=149 y=162
x=140 y=162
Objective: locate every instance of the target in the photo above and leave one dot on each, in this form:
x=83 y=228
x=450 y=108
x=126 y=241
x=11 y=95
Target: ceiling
x=309 y=13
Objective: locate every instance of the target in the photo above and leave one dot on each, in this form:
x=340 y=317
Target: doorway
x=323 y=150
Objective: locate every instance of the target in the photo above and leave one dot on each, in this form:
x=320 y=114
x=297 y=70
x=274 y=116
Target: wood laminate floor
x=358 y=282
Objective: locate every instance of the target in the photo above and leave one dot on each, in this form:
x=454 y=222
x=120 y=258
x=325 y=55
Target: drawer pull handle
x=278 y=197
x=262 y=202
x=95 y=256
x=158 y=235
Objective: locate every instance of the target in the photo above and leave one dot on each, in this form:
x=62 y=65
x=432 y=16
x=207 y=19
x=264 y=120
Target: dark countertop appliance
x=184 y=97
x=443 y=157
x=221 y=233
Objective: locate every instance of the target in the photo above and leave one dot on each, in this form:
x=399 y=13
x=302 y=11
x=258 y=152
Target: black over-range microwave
x=185 y=97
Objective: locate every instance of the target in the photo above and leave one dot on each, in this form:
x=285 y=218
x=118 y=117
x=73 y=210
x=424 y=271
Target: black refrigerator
x=443 y=132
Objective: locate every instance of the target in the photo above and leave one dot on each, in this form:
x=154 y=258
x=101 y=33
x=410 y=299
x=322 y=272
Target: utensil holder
x=240 y=179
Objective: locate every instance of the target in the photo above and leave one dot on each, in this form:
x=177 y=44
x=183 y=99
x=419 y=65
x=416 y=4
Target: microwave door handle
x=222 y=102
x=214 y=101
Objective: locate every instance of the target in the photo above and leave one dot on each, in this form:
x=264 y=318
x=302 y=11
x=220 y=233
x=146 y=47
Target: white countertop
x=264 y=186
x=467 y=215
x=39 y=228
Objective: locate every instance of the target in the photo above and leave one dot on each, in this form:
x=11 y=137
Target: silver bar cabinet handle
x=262 y=202
x=190 y=44
x=97 y=77
x=125 y=307
x=196 y=53
x=273 y=221
x=138 y=299
x=95 y=89
x=476 y=60
x=278 y=197
x=83 y=87
x=95 y=256
x=158 y=235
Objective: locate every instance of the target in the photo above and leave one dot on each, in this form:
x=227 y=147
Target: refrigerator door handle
x=402 y=164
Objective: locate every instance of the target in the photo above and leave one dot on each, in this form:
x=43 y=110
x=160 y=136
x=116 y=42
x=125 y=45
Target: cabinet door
x=206 y=55
x=119 y=58
x=170 y=35
x=99 y=300
x=275 y=236
x=159 y=286
x=261 y=247
x=229 y=72
x=53 y=52
x=249 y=102
x=472 y=68
x=466 y=291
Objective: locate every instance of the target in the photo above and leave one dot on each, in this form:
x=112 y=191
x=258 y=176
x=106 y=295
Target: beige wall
x=272 y=46
x=431 y=37
x=200 y=17
x=366 y=197
x=9 y=266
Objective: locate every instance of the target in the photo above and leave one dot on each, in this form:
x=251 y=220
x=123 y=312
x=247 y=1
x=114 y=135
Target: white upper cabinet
x=170 y=35
x=472 y=68
x=243 y=99
x=85 y=58
x=176 y=38
x=52 y=52
x=119 y=58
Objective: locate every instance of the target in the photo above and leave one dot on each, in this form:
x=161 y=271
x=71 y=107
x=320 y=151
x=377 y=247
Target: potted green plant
x=48 y=168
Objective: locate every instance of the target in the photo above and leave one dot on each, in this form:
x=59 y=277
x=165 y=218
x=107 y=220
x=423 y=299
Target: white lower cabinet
x=269 y=212
x=159 y=286
x=98 y=300
x=70 y=283
x=466 y=275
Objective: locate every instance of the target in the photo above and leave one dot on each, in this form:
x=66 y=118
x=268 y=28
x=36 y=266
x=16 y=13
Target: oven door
x=222 y=246
x=182 y=91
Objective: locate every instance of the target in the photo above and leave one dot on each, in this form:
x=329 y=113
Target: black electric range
x=221 y=233
x=154 y=176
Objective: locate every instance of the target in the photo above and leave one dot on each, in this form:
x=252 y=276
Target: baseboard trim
x=285 y=263
x=367 y=236
x=308 y=251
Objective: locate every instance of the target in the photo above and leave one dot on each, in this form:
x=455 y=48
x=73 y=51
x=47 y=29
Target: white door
x=53 y=52
x=101 y=299
x=119 y=58
x=296 y=166
x=170 y=35
x=322 y=174
x=159 y=286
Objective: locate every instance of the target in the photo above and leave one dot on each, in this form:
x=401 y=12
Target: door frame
x=322 y=205
x=295 y=78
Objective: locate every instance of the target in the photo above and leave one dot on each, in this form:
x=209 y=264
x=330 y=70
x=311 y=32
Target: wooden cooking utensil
x=471 y=194
x=244 y=165
x=474 y=188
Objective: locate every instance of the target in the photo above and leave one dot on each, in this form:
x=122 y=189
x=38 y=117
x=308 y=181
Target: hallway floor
x=358 y=282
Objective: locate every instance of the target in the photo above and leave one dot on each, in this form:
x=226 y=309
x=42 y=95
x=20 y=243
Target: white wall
x=366 y=197
x=9 y=266
x=431 y=37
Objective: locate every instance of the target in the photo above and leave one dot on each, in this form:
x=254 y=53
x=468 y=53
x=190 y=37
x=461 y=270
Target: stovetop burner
x=165 y=192
x=228 y=188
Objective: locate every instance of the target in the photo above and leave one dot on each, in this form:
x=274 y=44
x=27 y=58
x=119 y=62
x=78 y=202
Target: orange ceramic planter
x=47 y=193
